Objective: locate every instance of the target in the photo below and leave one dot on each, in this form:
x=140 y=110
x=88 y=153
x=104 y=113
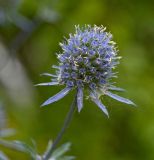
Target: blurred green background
x=30 y=32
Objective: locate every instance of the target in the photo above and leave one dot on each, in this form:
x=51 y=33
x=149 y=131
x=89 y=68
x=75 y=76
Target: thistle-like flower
x=87 y=63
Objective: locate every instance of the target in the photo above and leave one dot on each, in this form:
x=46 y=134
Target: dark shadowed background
x=30 y=32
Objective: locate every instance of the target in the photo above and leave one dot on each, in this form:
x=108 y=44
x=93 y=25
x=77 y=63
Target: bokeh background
x=30 y=32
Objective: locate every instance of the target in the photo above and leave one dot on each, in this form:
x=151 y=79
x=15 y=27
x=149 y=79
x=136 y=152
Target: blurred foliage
x=30 y=31
x=20 y=146
x=31 y=150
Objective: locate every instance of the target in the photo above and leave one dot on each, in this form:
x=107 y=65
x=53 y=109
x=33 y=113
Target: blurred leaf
x=66 y=158
x=48 y=15
x=26 y=148
x=61 y=150
x=7 y=132
x=10 y=3
x=2 y=17
x=4 y=132
x=23 y=147
x=19 y=146
x=2 y=117
x=3 y=156
x=58 y=154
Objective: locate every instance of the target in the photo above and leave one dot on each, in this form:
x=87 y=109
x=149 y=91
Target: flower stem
x=60 y=134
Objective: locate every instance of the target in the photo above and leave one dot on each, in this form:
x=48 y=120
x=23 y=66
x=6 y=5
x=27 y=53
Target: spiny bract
x=87 y=61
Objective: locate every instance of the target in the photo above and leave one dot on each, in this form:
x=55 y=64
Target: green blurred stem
x=60 y=134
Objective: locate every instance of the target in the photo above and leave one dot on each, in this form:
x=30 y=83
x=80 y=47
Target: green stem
x=60 y=134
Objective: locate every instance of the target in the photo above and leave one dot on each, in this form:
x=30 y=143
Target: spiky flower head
x=87 y=62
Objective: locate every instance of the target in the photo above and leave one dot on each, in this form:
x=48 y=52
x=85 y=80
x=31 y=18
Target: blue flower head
x=87 y=62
